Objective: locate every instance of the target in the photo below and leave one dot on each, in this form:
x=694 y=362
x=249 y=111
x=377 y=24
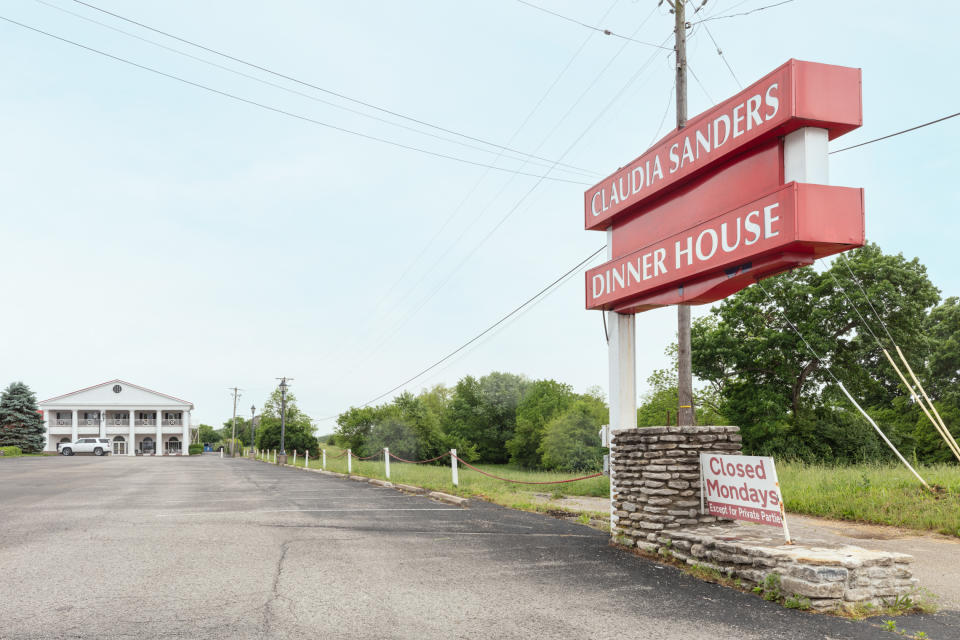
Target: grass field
x=879 y=494
x=471 y=483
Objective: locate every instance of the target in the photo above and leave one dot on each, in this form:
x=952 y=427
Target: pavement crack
x=268 y=614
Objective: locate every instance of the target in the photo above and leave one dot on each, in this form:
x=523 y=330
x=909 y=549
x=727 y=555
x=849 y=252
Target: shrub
x=195 y=449
x=11 y=451
x=571 y=441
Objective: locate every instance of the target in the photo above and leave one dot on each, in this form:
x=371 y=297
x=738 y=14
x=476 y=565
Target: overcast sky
x=188 y=242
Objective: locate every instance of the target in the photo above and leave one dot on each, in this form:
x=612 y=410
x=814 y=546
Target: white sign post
x=742 y=488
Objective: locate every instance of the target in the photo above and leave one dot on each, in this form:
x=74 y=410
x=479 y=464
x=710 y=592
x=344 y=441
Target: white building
x=134 y=418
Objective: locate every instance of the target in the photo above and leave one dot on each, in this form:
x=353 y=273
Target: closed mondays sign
x=741 y=488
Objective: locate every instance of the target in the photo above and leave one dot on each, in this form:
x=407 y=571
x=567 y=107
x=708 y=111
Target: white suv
x=96 y=446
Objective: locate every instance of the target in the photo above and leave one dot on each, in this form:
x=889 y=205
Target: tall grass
x=875 y=493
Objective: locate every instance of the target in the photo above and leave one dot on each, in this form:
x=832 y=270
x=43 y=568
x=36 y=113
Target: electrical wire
x=451 y=273
x=745 y=13
x=666 y=110
x=311 y=85
x=493 y=326
x=394 y=290
x=723 y=57
x=605 y=32
x=461 y=143
x=700 y=84
x=827 y=368
x=891 y=135
x=285 y=112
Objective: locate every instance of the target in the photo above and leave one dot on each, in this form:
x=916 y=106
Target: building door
x=173 y=446
x=147 y=445
x=119 y=446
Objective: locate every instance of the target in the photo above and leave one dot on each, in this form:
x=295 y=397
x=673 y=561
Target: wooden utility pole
x=684 y=369
x=233 y=440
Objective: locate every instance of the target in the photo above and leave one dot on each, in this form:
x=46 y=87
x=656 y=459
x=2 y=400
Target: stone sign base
x=655 y=507
x=831 y=576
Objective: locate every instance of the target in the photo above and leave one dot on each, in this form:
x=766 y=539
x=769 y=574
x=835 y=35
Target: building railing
x=146 y=422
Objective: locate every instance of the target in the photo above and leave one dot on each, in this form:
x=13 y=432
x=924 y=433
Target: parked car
x=96 y=446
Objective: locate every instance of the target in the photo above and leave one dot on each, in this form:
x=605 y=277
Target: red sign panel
x=813 y=220
x=756 y=172
x=796 y=95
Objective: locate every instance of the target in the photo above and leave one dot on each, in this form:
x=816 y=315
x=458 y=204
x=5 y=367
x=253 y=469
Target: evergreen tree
x=20 y=421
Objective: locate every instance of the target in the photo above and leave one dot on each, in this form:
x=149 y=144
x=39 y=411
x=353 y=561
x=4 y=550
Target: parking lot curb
x=449 y=499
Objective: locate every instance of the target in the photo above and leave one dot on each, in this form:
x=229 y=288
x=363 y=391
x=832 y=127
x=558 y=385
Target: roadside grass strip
x=437 y=477
x=874 y=493
x=884 y=494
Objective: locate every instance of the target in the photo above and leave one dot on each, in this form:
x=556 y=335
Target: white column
x=132 y=444
x=75 y=431
x=622 y=353
x=806 y=157
x=49 y=423
x=186 y=433
x=103 y=423
x=158 y=450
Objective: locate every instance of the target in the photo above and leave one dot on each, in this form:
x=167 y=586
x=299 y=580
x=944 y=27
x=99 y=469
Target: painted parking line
x=204 y=513
x=274 y=497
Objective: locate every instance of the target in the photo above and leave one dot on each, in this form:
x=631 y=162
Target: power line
x=312 y=86
x=523 y=198
x=606 y=32
x=722 y=57
x=484 y=332
x=919 y=126
x=393 y=289
x=308 y=96
x=285 y=112
x=745 y=13
x=699 y=84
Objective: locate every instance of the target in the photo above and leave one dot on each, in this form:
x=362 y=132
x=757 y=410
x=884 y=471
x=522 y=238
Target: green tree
x=572 y=439
x=782 y=396
x=21 y=424
x=663 y=398
x=410 y=427
x=484 y=413
x=298 y=431
x=354 y=426
x=542 y=400
x=243 y=430
x=206 y=433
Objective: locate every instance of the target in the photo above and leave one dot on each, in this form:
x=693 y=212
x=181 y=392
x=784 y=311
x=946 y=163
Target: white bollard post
x=306 y=459
x=221 y=454
x=349 y=461
x=294 y=457
x=453 y=467
x=324 y=463
x=386 y=459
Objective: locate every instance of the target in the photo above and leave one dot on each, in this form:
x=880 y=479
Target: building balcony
x=117 y=430
x=61 y=430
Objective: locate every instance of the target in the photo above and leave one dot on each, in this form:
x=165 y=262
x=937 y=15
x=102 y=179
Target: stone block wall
x=655 y=476
x=832 y=578
x=655 y=507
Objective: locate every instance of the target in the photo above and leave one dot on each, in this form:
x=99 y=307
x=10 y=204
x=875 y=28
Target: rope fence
x=490 y=475
x=386 y=456
x=420 y=461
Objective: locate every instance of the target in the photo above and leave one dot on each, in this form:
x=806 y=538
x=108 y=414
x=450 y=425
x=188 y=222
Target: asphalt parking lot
x=205 y=547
